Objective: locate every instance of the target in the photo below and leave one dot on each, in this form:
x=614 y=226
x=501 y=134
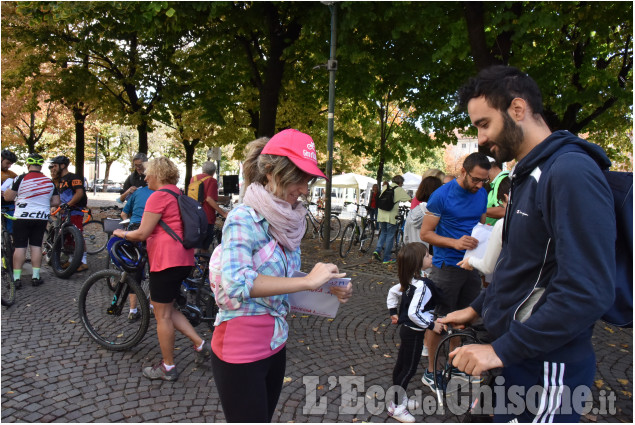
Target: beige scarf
x=286 y=222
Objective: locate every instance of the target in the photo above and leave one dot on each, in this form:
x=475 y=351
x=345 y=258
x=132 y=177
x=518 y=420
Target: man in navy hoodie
x=555 y=275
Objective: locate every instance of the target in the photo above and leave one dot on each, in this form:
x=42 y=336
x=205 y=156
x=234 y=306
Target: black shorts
x=28 y=232
x=165 y=284
x=460 y=287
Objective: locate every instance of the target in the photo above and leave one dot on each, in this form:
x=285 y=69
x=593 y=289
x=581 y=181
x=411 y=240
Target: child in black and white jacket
x=411 y=304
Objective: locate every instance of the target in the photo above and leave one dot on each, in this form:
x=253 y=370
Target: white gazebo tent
x=348 y=181
x=411 y=181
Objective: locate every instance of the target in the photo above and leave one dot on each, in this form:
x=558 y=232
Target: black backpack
x=193 y=218
x=386 y=199
x=621 y=184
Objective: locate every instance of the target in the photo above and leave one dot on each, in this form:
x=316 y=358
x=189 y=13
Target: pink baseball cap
x=298 y=147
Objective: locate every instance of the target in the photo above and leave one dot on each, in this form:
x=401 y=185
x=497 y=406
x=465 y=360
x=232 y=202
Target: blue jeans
x=386 y=239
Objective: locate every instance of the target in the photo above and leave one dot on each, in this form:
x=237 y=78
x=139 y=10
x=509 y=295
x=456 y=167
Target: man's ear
x=517 y=109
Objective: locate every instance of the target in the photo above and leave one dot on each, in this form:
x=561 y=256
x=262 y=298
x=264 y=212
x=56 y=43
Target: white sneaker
x=401 y=413
x=411 y=402
x=424 y=352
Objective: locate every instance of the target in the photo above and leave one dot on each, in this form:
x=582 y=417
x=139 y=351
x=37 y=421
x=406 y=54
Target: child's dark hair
x=503 y=189
x=410 y=262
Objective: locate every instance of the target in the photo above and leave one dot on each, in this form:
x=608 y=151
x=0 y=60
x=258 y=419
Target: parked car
x=114 y=187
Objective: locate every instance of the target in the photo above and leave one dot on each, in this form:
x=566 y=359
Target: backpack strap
x=164 y=225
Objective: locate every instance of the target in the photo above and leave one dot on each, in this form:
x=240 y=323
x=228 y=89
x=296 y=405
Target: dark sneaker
x=159 y=372
x=18 y=283
x=133 y=317
x=82 y=267
x=205 y=355
x=376 y=255
x=464 y=376
x=36 y=281
x=429 y=380
x=391 y=261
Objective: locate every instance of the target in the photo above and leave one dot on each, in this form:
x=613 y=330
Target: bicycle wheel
x=368 y=234
x=398 y=241
x=347 y=240
x=309 y=232
x=8 y=285
x=95 y=237
x=104 y=313
x=47 y=245
x=335 y=228
x=452 y=381
x=67 y=252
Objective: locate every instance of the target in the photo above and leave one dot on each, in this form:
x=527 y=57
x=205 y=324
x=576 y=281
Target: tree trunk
x=142 y=130
x=106 y=175
x=189 y=159
x=269 y=97
x=79 y=142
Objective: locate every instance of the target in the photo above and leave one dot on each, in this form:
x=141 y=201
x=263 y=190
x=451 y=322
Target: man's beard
x=508 y=140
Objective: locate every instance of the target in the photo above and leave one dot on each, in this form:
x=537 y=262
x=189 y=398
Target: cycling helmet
x=60 y=160
x=7 y=154
x=34 y=159
x=125 y=255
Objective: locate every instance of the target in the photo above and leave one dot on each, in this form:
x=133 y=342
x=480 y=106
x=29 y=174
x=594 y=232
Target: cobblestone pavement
x=53 y=372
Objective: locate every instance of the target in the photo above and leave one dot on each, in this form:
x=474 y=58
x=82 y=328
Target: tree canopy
x=222 y=73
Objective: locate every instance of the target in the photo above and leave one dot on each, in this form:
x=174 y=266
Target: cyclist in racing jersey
x=34 y=194
x=71 y=190
x=8 y=159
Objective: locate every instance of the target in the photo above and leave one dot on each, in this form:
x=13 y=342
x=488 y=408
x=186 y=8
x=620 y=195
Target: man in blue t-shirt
x=453 y=211
x=136 y=205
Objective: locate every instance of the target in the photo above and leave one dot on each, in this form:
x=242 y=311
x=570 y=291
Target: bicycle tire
x=310 y=232
x=67 y=254
x=47 y=245
x=336 y=226
x=346 y=243
x=450 y=396
x=95 y=237
x=8 y=284
x=398 y=241
x=368 y=234
x=104 y=314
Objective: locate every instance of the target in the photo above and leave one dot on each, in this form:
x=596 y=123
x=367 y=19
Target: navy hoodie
x=560 y=246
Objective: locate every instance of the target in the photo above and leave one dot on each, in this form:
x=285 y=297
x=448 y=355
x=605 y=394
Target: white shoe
x=424 y=352
x=411 y=402
x=400 y=413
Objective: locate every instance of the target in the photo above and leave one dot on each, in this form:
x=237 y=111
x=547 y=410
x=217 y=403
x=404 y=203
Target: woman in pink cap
x=261 y=250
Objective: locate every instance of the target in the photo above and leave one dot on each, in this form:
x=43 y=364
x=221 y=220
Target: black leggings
x=249 y=392
x=408 y=358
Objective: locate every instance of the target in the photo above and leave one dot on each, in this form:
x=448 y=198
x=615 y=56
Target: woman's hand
x=438 y=327
x=322 y=273
x=343 y=293
x=465 y=264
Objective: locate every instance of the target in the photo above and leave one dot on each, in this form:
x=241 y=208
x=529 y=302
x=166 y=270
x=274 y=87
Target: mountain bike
x=355 y=232
x=315 y=227
x=63 y=244
x=97 y=232
x=8 y=285
x=451 y=392
x=103 y=308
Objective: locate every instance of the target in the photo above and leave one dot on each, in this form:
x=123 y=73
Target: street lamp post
x=332 y=68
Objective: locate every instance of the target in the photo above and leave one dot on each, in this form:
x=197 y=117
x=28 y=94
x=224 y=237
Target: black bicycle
x=451 y=393
x=63 y=245
x=362 y=232
x=401 y=222
x=315 y=225
x=97 y=232
x=104 y=298
x=8 y=285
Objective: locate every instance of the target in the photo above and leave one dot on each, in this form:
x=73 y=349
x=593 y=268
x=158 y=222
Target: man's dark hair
x=475 y=159
x=398 y=180
x=500 y=84
x=497 y=164
x=503 y=188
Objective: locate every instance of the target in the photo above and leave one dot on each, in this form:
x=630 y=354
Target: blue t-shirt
x=460 y=210
x=137 y=203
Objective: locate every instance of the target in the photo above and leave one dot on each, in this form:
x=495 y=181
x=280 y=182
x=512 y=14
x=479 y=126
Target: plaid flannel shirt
x=249 y=250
